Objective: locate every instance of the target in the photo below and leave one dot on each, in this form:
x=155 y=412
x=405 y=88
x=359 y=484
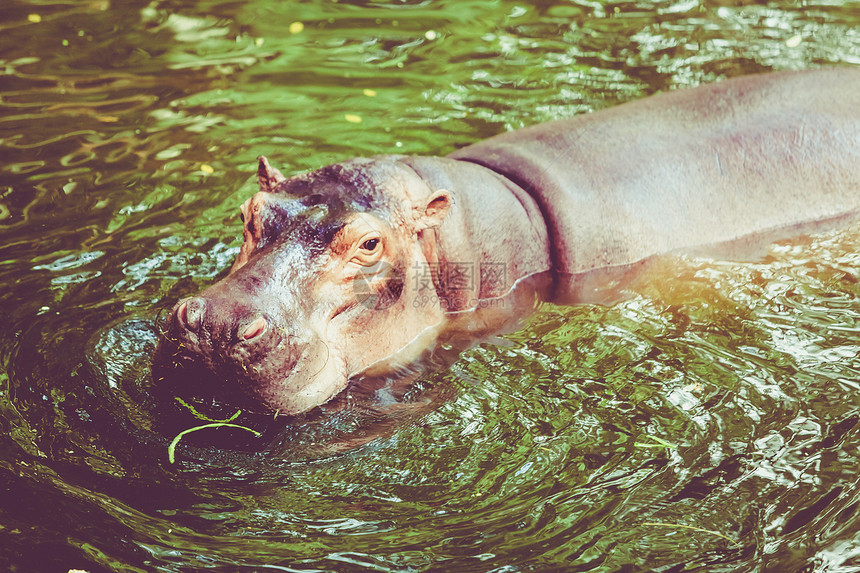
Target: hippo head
x=323 y=285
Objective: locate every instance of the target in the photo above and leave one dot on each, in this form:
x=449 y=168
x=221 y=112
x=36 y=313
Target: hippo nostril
x=182 y=312
x=254 y=329
x=190 y=313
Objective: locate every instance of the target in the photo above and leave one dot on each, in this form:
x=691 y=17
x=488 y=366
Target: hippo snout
x=223 y=333
x=191 y=317
x=259 y=352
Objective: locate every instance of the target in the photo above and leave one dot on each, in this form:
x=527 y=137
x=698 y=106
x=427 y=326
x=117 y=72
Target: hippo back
x=718 y=164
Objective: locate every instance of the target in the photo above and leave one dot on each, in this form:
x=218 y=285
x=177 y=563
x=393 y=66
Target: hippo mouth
x=181 y=377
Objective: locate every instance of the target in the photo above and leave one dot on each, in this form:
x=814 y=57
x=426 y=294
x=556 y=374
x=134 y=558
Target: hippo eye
x=368 y=251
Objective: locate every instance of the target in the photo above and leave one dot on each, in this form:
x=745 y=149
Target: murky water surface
x=711 y=422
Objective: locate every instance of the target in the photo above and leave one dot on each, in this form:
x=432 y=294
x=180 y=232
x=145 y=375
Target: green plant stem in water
x=171 y=449
x=200 y=416
x=661 y=443
x=681 y=526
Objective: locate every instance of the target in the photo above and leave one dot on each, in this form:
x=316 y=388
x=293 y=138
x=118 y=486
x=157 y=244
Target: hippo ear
x=435 y=210
x=268 y=176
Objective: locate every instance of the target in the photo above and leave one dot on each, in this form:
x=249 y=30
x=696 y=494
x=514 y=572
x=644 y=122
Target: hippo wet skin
x=343 y=266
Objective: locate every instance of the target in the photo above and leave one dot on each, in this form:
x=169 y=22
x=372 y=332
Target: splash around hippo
x=345 y=266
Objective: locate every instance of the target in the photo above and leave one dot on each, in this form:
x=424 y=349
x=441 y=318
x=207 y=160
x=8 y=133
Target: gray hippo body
x=342 y=267
x=740 y=161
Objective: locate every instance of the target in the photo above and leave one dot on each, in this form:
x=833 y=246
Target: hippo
x=346 y=265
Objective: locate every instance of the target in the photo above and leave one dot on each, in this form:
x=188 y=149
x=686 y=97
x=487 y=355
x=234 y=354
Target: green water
x=708 y=423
